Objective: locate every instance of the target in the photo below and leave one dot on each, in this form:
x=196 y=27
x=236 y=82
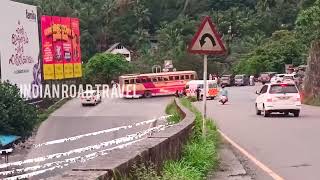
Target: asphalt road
x=289 y=146
x=72 y=119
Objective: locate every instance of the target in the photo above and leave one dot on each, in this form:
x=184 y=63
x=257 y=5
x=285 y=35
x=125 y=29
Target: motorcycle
x=223 y=99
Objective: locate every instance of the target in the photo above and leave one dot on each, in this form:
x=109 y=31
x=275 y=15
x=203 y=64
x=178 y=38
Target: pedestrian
x=251 y=80
x=184 y=92
x=177 y=93
x=198 y=91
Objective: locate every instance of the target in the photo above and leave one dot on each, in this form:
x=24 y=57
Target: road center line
x=58 y=141
x=67 y=162
x=252 y=158
x=127 y=138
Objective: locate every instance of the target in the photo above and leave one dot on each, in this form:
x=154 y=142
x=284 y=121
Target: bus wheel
x=147 y=94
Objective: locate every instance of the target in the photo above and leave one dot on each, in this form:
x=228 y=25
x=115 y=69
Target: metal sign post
x=205 y=72
x=206 y=41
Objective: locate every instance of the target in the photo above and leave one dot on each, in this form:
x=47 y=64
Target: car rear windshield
x=283 y=89
x=225 y=78
x=264 y=75
x=239 y=77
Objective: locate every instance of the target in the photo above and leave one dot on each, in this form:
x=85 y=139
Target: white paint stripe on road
x=88 y=148
x=67 y=162
x=74 y=138
x=252 y=158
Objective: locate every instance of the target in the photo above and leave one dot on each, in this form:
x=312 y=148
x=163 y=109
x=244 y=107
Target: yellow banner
x=68 y=70
x=58 y=71
x=48 y=71
x=77 y=70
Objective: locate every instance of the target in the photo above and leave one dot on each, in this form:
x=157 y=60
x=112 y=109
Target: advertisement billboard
x=19 y=45
x=76 y=50
x=62 y=35
x=47 y=47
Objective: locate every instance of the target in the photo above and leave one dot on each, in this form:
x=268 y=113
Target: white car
x=277 y=78
x=92 y=97
x=278 y=97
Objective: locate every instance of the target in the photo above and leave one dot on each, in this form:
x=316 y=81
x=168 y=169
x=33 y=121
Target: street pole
x=205 y=66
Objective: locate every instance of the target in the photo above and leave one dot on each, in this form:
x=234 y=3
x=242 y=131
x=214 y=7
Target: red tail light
x=301 y=96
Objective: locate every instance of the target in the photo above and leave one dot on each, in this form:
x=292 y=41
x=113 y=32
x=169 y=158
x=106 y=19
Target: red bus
x=155 y=84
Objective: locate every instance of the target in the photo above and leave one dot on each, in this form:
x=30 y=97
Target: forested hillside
x=260 y=34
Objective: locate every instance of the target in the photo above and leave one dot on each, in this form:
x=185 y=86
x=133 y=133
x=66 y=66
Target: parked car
x=92 y=97
x=279 y=97
x=227 y=80
x=297 y=79
x=277 y=78
x=266 y=77
x=241 y=80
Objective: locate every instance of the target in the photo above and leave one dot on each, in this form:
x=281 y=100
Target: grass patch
x=312 y=101
x=178 y=170
x=44 y=114
x=201 y=152
x=172 y=109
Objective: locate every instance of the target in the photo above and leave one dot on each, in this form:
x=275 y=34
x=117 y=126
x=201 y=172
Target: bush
x=17 y=117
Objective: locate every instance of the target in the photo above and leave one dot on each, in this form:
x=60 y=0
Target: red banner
x=47 y=47
x=76 y=40
x=66 y=39
x=76 y=50
x=61 y=47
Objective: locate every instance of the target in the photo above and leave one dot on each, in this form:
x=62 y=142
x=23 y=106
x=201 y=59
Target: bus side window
x=138 y=81
x=160 y=79
x=187 y=77
x=148 y=79
x=182 y=77
x=154 y=79
x=176 y=78
x=143 y=80
x=126 y=81
x=192 y=77
x=132 y=81
x=165 y=79
x=170 y=78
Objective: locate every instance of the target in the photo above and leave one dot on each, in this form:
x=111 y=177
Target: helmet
x=223 y=86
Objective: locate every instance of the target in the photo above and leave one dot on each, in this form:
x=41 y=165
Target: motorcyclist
x=224 y=92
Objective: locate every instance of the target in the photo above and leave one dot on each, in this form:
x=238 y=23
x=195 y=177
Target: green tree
x=282 y=48
x=103 y=67
x=17 y=117
x=308 y=24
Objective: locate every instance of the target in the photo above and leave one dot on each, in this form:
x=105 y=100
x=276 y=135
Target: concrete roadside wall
x=162 y=146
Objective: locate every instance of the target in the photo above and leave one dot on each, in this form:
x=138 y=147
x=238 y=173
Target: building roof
x=112 y=47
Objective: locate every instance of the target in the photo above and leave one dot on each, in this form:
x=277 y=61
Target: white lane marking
x=265 y=168
x=74 y=138
x=88 y=148
x=67 y=162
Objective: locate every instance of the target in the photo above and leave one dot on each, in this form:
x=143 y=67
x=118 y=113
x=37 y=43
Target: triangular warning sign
x=207 y=40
